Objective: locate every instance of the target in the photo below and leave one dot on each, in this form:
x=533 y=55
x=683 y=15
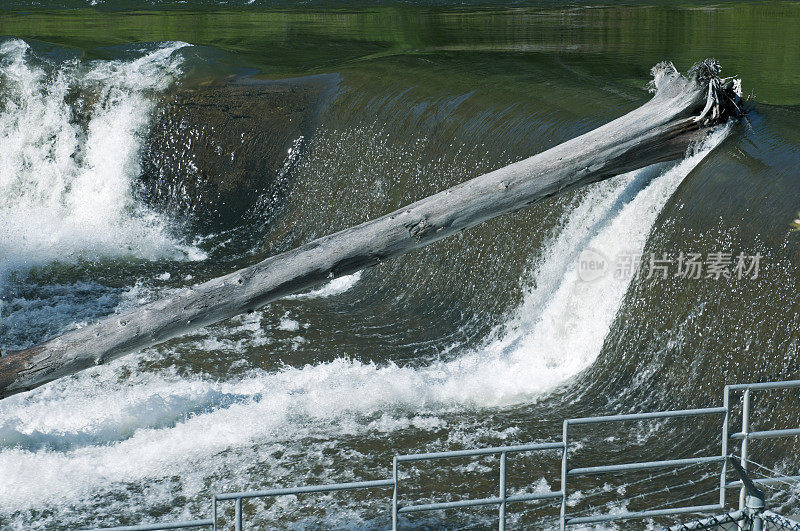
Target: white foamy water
x=66 y=184
x=560 y=328
x=334 y=287
x=93 y=433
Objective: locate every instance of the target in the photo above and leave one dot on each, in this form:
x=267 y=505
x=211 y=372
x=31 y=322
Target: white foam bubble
x=288 y=325
x=334 y=287
x=66 y=187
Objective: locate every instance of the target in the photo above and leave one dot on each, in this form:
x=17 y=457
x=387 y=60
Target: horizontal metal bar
x=154 y=527
x=647 y=416
x=639 y=466
x=533 y=497
x=770 y=480
x=767 y=434
x=482 y=451
x=764 y=385
x=308 y=489
x=477 y=502
x=449 y=505
x=643 y=514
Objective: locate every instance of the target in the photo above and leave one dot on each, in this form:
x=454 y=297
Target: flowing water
x=145 y=147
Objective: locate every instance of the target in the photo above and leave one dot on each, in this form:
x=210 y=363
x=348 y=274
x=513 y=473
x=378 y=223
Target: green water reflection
x=600 y=45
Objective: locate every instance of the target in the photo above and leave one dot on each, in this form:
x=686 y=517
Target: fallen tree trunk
x=658 y=131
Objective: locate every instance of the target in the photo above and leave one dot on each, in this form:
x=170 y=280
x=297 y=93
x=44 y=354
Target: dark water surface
x=145 y=147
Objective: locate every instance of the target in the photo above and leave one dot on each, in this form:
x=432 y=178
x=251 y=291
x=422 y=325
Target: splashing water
x=561 y=326
x=334 y=287
x=71 y=136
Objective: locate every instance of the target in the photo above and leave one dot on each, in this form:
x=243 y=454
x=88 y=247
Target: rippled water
x=123 y=134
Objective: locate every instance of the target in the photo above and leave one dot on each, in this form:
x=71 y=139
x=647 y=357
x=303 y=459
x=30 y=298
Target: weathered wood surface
x=660 y=130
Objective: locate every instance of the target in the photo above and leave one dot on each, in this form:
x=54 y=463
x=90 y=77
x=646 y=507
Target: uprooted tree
x=681 y=112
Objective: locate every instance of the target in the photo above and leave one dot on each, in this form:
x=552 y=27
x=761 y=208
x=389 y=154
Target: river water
x=132 y=164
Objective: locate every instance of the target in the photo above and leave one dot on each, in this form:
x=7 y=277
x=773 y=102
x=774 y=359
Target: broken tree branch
x=658 y=131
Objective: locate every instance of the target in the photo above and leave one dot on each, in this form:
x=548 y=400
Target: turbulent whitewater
x=140 y=438
x=67 y=185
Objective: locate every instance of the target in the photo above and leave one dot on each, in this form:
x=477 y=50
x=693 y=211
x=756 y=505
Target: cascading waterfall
x=71 y=136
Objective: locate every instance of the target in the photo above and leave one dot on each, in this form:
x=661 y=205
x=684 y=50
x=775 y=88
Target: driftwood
x=658 y=131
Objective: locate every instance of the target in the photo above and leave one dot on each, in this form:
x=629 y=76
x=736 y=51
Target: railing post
x=745 y=441
x=755 y=506
x=394 y=494
x=724 y=444
x=238 y=515
x=503 y=491
x=563 y=517
x=754 y=499
x=214 y=514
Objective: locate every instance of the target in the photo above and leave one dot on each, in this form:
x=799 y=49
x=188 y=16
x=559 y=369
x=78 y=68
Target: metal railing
x=503 y=499
x=745 y=435
x=164 y=525
x=566 y=472
x=751 y=518
x=239 y=496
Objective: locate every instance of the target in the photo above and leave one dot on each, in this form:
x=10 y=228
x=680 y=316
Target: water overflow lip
x=215 y=152
x=481 y=340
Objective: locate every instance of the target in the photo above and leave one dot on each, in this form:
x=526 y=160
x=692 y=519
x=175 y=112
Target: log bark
x=682 y=109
